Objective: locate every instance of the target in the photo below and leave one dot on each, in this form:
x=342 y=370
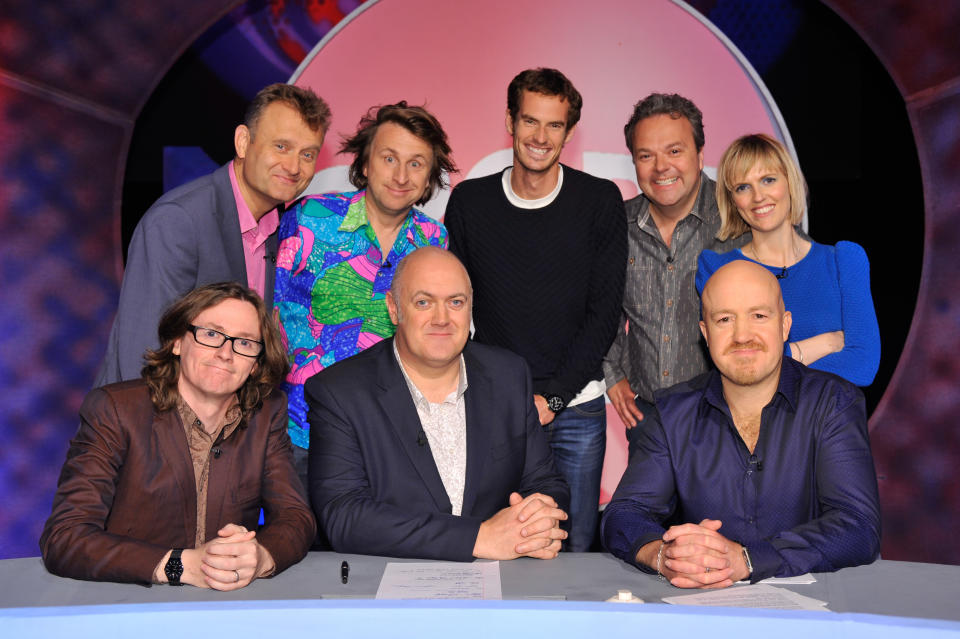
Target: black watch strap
x=174 y=567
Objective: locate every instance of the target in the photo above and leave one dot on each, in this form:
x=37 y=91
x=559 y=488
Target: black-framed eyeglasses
x=215 y=339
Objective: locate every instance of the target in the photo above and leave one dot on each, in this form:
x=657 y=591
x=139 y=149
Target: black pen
x=344 y=572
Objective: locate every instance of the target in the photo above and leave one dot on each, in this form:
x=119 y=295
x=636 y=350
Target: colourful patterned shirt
x=330 y=286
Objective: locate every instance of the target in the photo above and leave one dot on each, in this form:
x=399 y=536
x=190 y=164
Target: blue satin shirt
x=806 y=500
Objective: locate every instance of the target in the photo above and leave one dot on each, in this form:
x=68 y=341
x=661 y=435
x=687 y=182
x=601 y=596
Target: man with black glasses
x=167 y=474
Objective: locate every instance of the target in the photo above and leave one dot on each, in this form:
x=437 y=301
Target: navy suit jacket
x=373 y=482
x=188 y=238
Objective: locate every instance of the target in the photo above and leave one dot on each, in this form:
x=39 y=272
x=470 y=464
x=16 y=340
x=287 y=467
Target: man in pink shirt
x=219 y=227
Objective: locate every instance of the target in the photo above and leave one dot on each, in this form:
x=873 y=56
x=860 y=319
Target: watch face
x=555 y=404
x=173 y=570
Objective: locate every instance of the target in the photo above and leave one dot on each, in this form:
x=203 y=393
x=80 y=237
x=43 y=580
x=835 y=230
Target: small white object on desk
x=625 y=596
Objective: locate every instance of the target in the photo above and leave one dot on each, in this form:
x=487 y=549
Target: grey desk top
x=884 y=587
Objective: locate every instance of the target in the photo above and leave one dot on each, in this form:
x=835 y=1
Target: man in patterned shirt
x=338 y=251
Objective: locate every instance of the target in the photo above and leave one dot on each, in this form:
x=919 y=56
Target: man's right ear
x=508 y=122
x=241 y=138
x=392 y=308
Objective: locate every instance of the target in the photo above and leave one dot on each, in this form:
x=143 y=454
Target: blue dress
x=828 y=290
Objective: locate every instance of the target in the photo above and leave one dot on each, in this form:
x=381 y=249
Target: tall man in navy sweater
x=545 y=246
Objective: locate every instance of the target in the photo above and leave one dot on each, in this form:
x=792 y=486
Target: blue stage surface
x=462 y=619
x=885 y=599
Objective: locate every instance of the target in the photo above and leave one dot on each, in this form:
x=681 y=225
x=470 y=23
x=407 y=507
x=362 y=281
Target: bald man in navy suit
x=427 y=446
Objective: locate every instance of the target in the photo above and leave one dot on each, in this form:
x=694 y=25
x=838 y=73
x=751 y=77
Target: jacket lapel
x=220 y=478
x=271 y=258
x=395 y=402
x=173 y=449
x=229 y=222
x=480 y=389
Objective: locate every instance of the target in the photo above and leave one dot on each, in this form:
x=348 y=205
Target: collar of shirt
x=788 y=387
x=538 y=203
x=231 y=418
x=254 y=232
x=356 y=216
x=415 y=393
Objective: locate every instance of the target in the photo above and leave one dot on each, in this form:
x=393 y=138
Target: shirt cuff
x=765 y=559
x=640 y=543
x=612 y=375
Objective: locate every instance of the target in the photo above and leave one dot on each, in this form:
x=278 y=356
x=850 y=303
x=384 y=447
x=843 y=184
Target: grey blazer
x=188 y=238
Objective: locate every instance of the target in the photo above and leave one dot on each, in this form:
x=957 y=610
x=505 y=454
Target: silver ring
x=237 y=573
x=708 y=569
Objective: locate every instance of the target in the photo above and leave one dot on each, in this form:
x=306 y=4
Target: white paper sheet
x=440 y=580
x=756 y=596
x=805 y=578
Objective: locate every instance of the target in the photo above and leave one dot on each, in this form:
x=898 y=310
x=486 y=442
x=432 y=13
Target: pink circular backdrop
x=457 y=58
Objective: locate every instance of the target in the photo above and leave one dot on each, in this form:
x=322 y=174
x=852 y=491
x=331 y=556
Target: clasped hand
x=528 y=527
x=697 y=556
x=229 y=561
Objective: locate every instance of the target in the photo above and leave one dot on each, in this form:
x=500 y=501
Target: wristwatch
x=174 y=567
x=746 y=560
x=555 y=403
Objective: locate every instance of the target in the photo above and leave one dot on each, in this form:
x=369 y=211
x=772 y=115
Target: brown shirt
x=201 y=444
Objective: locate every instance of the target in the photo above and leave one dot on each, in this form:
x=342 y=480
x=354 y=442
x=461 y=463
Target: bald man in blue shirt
x=760 y=468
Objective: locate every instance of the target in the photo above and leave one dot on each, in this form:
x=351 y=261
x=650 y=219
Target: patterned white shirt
x=445 y=424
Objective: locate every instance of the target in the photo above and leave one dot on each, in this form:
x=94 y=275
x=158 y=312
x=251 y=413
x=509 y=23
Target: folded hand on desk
x=696 y=556
x=227 y=562
x=529 y=526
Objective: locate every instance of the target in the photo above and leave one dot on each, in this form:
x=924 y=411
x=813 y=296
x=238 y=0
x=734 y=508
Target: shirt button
x=669 y=303
x=666 y=373
x=670 y=267
x=631 y=260
x=666 y=338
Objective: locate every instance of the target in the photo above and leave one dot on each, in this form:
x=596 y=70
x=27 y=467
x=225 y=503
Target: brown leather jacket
x=126 y=493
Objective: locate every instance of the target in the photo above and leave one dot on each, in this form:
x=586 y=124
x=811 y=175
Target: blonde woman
x=825 y=288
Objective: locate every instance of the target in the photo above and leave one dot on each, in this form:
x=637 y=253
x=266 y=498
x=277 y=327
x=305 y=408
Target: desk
x=559 y=595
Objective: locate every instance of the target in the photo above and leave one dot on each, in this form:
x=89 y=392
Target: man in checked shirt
x=668 y=225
